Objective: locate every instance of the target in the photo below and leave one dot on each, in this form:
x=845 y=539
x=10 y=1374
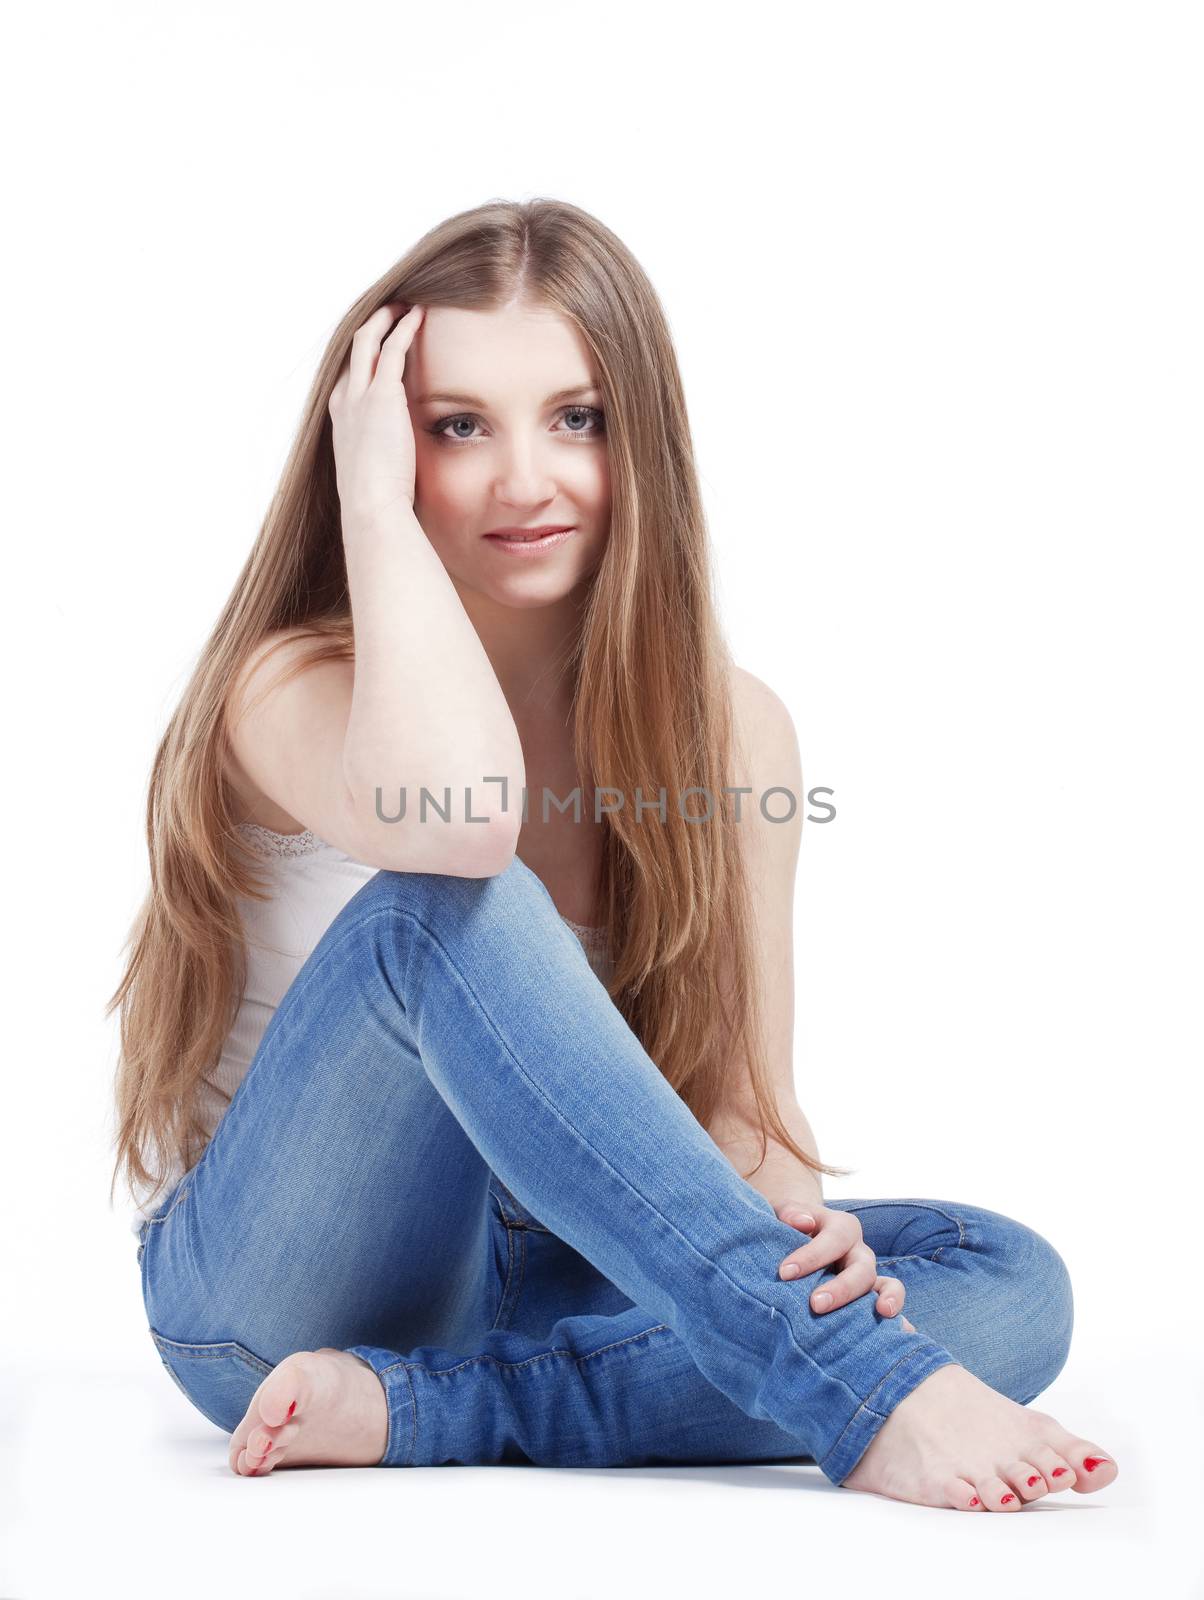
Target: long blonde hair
x=652 y=706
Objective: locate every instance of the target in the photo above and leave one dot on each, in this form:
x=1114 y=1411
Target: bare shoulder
x=770 y=833
x=766 y=733
x=279 y=657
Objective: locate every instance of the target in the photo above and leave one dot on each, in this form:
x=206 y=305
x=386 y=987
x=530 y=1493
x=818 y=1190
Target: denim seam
x=927 y=1205
x=217 y=1350
x=152 y=1222
x=890 y=1260
x=961 y=1237
x=521 y=1252
x=501 y=1204
x=393 y=911
x=518 y=1253
x=517 y=1220
x=514 y=1366
x=865 y=1404
x=501 y=1305
x=413 y=1415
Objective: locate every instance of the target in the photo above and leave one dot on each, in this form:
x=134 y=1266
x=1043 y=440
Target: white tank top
x=310 y=883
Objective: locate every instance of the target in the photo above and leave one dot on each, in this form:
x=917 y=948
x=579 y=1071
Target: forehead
x=521 y=353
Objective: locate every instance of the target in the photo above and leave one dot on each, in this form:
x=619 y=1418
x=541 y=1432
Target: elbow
x=478 y=848
x=486 y=849
x=481 y=849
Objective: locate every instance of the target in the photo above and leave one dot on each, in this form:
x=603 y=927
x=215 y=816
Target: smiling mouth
x=539 y=536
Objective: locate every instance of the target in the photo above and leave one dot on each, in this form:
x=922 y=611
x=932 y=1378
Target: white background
x=933 y=275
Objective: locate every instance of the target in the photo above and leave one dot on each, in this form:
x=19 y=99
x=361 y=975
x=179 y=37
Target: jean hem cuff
x=907 y=1374
x=394 y=1375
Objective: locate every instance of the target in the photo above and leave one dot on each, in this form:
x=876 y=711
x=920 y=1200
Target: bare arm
x=286 y=733
x=420 y=706
x=426 y=707
x=770 y=755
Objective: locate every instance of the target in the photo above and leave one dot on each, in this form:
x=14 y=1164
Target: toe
x=265 y=1451
x=997 y=1495
x=260 y=1441
x=963 y=1495
x=271 y=1452
x=1054 y=1468
x=278 y=1396
x=238 y=1438
x=1093 y=1469
x=1023 y=1476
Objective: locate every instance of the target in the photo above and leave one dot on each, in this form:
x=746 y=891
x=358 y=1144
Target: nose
x=523 y=477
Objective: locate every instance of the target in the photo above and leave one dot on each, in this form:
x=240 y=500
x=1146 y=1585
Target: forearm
x=427 y=708
x=781 y=1175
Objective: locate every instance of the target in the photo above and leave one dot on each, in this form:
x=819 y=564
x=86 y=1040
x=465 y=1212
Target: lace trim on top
x=281 y=844
x=272 y=843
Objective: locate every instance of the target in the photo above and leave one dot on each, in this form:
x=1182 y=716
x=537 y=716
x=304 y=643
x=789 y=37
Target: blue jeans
x=452 y=1157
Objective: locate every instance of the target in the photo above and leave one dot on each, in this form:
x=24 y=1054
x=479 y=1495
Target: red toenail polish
x=1006 y=1498
x=1091 y=1462
x=974 y=1502
x=1033 y=1480
x=1057 y=1472
x=291 y=1409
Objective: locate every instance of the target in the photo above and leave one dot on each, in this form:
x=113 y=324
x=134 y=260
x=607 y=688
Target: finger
x=849 y=1284
x=849 y=1226
x=890 y=1292
x=391 y=366
x=365 y=347
x=824 y=1250
x=840 y=1231
x=797 y=1215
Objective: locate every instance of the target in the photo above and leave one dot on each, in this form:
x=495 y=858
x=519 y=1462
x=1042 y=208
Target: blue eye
x=590 y=413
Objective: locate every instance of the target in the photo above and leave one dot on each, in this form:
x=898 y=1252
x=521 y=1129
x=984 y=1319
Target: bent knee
x=1038 y=1282
x=438 y=896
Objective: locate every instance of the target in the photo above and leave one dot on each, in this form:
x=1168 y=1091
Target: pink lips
x=528 y=544
x=530 y=533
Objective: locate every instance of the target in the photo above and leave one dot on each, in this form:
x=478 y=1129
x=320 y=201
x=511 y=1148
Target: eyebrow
x=475 y=400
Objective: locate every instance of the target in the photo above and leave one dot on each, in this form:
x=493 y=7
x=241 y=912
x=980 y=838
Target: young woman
x=456 y=1080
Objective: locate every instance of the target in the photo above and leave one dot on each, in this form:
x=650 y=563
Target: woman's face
x=499 y=444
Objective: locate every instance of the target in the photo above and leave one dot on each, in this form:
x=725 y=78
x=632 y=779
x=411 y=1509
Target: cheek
x=444 y=484
x=592 y=482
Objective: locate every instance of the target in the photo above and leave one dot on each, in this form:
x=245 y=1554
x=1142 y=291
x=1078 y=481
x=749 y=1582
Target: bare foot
x=956 y=1442
x=317 y=1408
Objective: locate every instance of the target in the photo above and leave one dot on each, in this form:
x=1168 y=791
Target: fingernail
x=791 y=1271
x=890 y=1308
x=822 y=1300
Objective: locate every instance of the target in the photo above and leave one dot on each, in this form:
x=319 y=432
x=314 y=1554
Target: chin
x=532 y=594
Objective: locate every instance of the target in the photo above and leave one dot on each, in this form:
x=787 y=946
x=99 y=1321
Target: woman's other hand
x=370 y=416
x=837 y=1243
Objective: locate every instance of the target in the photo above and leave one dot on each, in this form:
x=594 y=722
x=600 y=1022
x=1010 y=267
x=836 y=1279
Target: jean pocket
x=219 y=1378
